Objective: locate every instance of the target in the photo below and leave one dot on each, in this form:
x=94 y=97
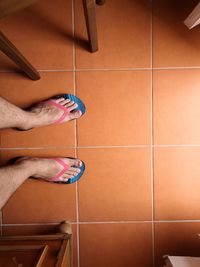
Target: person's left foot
x=45 y=114
x=46 y=168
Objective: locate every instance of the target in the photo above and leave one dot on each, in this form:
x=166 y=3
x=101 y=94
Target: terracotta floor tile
x=116 y=245
x=176 y=107
x=24 y=93
x=40 y=201
x=174 y=44
x=41 y=230
x=177 y=183
x=116 y=184
x=123 y=34
x=42 y=36
x=177 y=239
x=118 y=108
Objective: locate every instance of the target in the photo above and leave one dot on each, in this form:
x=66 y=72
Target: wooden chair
x=10 y=6
x=194 y=18
x=52 y=250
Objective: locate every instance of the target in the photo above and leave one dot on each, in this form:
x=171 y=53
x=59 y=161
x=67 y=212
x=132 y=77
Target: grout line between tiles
x=142 y=69
x=113 y=69
x=35 y=224
x=136 y=146
x=102 y=222
x=178 y=68
x=115 y=222
x=177 y=221
x=58 y=70
x=75 y=223
x=186 y=145
x=96 y=147
x=152 y=137
x=71 y=147
x=99 y=147
x=75 y=131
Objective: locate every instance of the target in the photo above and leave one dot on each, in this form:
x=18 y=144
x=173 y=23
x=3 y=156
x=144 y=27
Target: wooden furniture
x=176 y=261
x=10 y=6
x=194 y=18
x=14 y=54
x=90 y=19
x=38 y=250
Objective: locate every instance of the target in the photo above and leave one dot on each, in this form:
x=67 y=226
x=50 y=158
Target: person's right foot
x=46 y=168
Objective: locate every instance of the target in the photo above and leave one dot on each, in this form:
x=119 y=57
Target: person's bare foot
x=45 y=114
x=47 y=168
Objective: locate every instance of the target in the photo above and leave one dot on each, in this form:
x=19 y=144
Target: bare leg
x=11 y=115
x=11 y=177
x=42 y=114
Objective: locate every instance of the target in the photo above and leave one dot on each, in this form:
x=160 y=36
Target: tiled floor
x=140 y=138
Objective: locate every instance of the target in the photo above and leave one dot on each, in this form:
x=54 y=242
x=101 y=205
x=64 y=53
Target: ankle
x=27 y=121
x=29 y=166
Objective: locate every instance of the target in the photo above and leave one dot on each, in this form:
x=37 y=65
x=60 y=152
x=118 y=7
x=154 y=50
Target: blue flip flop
x=76 y=100
x=65 y=168
x=77 y=177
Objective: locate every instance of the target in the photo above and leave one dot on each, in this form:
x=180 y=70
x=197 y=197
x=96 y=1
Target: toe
x=72 y=107
x=68 y=103
x=65 y=102
x=75 y=114
x=76 y=170
x=64 y=179
x=58 y=100
x=73 y=173
x=77 y=163
x=73 y=162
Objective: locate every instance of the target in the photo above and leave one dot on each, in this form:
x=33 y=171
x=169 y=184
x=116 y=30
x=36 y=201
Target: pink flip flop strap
x=66 y=110
x=65 y=168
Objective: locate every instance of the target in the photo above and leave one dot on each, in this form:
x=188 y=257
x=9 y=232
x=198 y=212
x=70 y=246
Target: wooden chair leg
x=194 y=18
x=13 y=53
x=100 y=2
x=90 y=18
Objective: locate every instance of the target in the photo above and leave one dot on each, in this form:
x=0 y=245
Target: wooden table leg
x=90 y=18
x=13 y=53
